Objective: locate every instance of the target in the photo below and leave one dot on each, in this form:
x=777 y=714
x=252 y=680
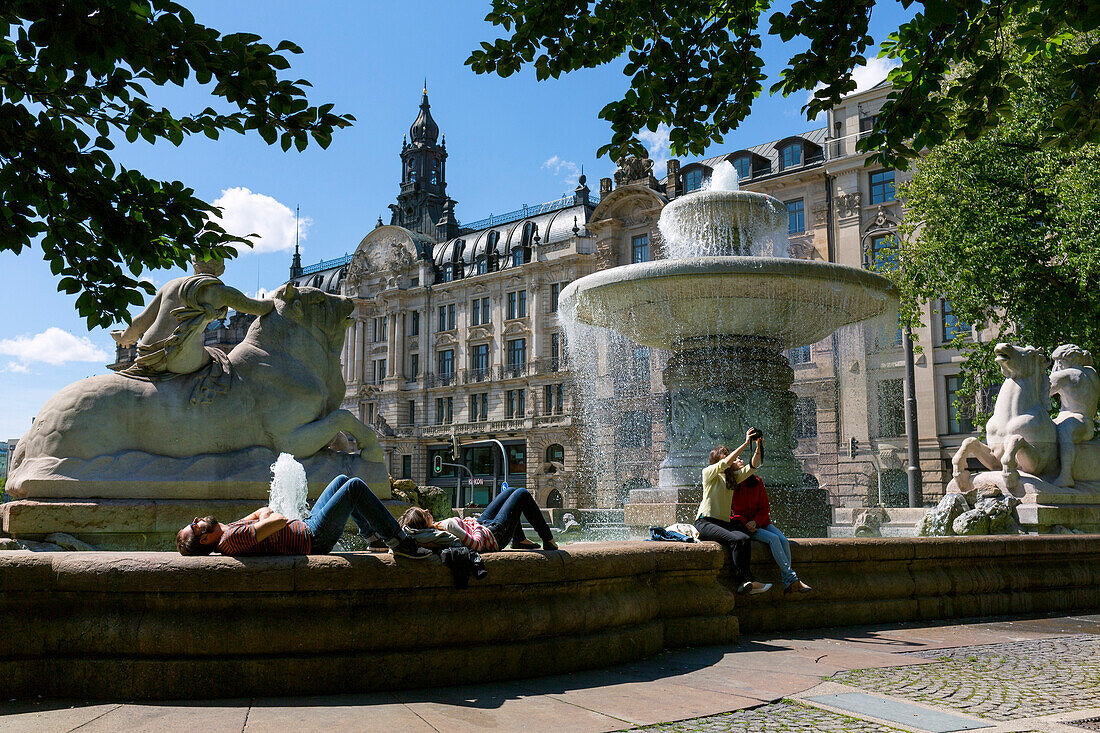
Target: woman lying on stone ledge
x=720 y=478
x=496 y=526
x=266 y=532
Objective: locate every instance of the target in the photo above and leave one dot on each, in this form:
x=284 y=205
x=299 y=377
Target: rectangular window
x=517 y=352
x=414 y=366
x=743 y=165
x=479 y=360
x=891 y=408
x=552 y=399
x=521 y=304
x=960 y=413
x=442 y=318
x=555 y=352
x=479 y=407
x=693 y=180
x=406 y=466
x=515 y=403
x=412 y=412
x=796 y=217
x=414 y=327
x=555 y=291
x=952 y=326
x=799 y=355
x=867 y=124
x=790 y=155
x=450 y=316
x=447 y=273
x=481 y=266
x=517 y=257
x=379 y=371
x=440 y=411
x=805 y=418
x=446 y=363
x=447 y=317
x=639 y=248
x=517 y=460
x=882 y=187
x=475 y=312
x=449 y=404
x=511 y=310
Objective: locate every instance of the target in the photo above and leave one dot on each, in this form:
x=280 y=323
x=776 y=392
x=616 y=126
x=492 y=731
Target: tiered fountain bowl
x=726 y=316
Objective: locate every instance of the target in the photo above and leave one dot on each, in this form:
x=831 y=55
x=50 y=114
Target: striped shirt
x=471 y=534
x=240 y=539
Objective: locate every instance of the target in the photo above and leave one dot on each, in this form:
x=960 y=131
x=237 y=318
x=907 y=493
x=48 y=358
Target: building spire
x=296 y=261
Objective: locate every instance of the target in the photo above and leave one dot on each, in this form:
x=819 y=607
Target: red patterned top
x=471 y=534
x=240 y=539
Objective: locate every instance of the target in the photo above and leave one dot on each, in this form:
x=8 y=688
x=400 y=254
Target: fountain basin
x=669 y=304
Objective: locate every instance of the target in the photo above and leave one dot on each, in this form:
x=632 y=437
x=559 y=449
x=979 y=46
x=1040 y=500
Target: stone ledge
x=158 y=625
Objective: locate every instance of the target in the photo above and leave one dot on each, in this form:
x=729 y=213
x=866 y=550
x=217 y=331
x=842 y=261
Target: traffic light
x=455 y=454
x=437 y=463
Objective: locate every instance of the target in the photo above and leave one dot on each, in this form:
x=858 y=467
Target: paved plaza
x=1037 y=674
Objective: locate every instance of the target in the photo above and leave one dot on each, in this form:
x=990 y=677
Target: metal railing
x=474 y=376
x=440 y=380
x=564 y=202
x=326 y=264
x=549 y=365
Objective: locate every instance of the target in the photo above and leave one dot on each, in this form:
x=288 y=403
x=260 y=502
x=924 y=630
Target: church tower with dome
x=422 y=205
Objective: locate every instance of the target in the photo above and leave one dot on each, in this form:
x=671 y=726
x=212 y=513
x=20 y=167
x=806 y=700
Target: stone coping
x=159 y=625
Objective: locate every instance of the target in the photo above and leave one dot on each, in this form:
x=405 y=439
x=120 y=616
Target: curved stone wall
x=157 y=625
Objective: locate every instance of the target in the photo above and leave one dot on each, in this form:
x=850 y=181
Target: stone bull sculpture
x=283 y=396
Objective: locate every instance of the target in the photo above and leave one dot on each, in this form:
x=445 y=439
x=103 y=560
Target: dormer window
x=790 y=155
x=491 y=250
x=481 y=266
x=743 y=165
x=693 y=180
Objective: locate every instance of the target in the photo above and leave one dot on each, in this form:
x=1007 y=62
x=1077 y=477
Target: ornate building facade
x=456 y=327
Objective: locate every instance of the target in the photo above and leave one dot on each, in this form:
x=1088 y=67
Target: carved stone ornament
x=631 y=169
x=607 y=254
x=848 y=204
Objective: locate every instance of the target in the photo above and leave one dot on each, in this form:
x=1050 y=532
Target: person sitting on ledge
x=266 y=532
x=720 y=478
x=496 y=526
x=751 y=510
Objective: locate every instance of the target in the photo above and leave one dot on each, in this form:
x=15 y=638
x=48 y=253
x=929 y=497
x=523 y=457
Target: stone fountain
x=725 y=314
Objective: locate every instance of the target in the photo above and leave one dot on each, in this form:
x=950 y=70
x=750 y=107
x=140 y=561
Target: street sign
x=477 y=482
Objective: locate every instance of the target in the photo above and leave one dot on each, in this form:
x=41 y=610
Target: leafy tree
x=695 y=64
x=74 y=72
x=1007 y=229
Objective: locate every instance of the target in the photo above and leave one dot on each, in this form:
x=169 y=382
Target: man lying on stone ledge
x=266 y=532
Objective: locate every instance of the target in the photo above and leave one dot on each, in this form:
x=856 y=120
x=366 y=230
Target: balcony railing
x=527 y=211
x=440 y=380
x=513 y=371
x=549 y=365
x=474 y=376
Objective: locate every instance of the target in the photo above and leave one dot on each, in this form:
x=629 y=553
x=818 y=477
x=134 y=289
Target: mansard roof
x=553 y=226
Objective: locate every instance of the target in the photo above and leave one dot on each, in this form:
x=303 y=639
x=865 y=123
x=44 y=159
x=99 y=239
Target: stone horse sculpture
x=284 y=396
x=1020 y=433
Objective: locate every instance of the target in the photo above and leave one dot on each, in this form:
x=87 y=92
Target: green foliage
x=1008 y=229
x=72 y=74
x=695 y=64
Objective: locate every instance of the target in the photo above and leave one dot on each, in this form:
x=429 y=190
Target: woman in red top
x=750 y=508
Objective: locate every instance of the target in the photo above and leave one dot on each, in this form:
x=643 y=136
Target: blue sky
x=510 y=141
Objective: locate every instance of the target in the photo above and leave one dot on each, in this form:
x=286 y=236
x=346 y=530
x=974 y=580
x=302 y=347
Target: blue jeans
x=345 y=498
x=781 y=551
x=502 y=517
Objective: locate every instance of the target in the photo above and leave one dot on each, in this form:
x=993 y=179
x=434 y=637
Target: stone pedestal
x=717 y=389
x=1045 y=507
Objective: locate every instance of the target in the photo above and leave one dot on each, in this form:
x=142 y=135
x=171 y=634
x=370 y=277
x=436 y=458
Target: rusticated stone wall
x=157 y=625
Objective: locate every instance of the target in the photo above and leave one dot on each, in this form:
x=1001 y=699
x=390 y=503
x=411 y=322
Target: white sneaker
x=758 y=588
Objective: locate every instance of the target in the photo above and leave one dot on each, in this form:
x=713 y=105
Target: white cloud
x=570 y=171
x=872 y=73
x=53 y=346
x=14 y=366
x=659 y=146
x=865 y=77
x=244 y=213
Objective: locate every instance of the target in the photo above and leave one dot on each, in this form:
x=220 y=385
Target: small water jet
x=724 y=305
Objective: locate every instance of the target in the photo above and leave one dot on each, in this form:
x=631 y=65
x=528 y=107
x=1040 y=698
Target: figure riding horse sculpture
x=1021 y=436
x=282 y=394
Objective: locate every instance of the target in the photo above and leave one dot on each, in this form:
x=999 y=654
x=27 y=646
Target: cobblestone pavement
x=786 y=715
x=1003 y=682
x=1009 y=681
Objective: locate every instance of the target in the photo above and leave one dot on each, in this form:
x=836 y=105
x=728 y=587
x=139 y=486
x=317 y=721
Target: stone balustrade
x=158 y=625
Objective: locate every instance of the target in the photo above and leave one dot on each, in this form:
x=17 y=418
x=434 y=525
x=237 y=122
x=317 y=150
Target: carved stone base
x=1045 y=507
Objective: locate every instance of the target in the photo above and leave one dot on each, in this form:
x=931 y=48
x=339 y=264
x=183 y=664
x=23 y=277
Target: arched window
x=554 y=500
x=491 y=250
x=743 y=165
x=790 y=155
x=456 y=258
x=555 y=453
